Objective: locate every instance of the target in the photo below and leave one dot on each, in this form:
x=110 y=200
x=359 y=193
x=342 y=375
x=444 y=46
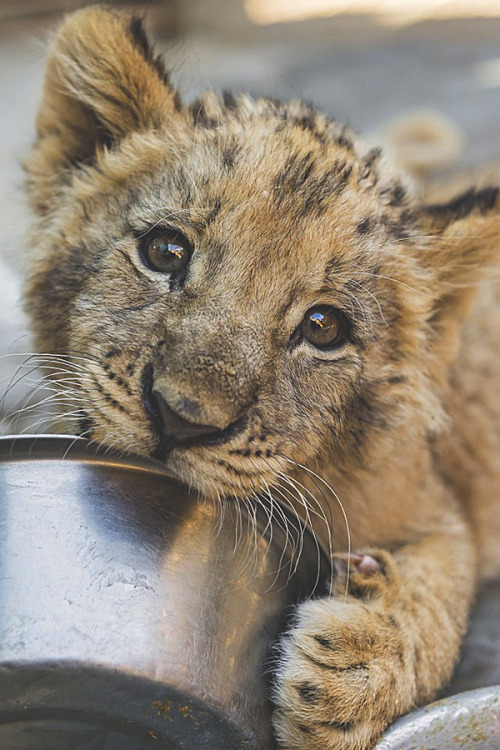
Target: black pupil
x=322 y=326
x=166 y=254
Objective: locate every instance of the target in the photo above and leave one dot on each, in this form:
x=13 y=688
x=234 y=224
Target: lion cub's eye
x=168 y=252
x=324 y=327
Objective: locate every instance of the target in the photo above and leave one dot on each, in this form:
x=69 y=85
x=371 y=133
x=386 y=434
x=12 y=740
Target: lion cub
x=247 y=291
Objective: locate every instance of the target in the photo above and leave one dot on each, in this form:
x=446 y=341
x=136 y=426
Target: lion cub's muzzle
x=176 y=429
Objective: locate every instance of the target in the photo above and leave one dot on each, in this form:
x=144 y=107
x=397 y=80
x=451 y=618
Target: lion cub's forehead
x=261 y=187
x=271 y=179
x=289 y=153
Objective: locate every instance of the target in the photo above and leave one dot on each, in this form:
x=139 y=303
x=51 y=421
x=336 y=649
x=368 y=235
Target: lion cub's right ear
x=102 y=83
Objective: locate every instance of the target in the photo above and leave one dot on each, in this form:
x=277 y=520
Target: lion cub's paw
x=343 y=673
x=366 y=575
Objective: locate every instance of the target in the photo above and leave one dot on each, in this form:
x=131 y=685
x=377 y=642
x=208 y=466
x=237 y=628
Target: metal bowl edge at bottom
x=467 y=721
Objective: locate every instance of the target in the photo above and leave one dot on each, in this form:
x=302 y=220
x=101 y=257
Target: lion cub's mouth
x=167 y=442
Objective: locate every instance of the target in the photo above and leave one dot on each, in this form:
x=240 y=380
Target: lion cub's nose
x=176 y=426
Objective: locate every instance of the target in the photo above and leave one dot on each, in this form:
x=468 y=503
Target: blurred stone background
x=362 y=61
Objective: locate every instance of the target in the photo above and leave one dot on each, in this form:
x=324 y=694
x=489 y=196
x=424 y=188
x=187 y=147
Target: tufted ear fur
x=464 y=248
x=102 y=82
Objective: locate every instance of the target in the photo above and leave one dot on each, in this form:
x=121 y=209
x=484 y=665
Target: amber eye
x=168 y=252
x=324 y=327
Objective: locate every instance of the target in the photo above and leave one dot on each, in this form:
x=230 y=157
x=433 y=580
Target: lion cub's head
x=238 y=282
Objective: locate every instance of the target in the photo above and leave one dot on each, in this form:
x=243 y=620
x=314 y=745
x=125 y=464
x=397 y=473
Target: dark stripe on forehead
x=293 y=298
x=295 y=172
x=360 y=267
x=299 y=180
x=344 y=141
x=364 y=226
x=182 y=184
x=319 y=189
x=309 y=123
x=369 y=167
x=213 y=212
x=338 y=265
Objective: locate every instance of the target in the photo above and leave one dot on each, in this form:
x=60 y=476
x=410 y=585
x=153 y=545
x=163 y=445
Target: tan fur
x=285 y=210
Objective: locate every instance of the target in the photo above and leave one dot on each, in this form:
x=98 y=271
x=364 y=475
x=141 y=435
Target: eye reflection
x=324 y=327
x=166 y=252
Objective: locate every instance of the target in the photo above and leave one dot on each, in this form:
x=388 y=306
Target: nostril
x=172 y=428
x=190 y=409
x=175 y=426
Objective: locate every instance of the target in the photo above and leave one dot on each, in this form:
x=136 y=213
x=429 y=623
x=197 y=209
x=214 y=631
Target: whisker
x=370 y=294
x=320 y=513
x=296 y=543
x=341 y=506
x=396 y=281
x=303 y=501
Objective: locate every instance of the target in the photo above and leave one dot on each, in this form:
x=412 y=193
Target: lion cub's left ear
x=102 y=82
x=461 y=246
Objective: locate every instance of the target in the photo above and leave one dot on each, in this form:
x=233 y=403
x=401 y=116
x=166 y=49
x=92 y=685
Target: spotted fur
x=285 y=209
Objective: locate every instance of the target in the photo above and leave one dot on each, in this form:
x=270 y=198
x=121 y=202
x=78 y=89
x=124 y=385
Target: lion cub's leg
x=350 y=665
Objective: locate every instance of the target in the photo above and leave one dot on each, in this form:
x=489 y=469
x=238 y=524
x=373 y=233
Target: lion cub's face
x=238 y=283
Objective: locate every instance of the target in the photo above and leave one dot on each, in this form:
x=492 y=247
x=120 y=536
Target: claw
x=367 y=564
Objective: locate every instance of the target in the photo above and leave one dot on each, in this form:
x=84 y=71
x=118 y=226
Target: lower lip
x=166 y=444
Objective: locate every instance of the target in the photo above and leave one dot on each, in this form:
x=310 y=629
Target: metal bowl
x=133 y=615
x=469 y=721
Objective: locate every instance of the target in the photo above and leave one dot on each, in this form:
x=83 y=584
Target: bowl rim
x=19 y=448
x=61 y=447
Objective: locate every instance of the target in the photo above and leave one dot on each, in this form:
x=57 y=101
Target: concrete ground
x=352 y=67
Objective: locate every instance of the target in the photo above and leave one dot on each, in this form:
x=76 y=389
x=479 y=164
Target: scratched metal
x=467 y=721
x=132 y=615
